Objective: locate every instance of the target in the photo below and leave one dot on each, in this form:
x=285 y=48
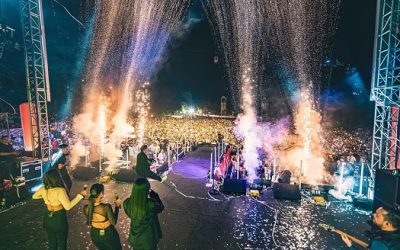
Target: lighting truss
x=36 y=75
x=385 y=85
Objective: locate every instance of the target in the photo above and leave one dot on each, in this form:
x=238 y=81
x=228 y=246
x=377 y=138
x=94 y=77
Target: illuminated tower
x=223 y=105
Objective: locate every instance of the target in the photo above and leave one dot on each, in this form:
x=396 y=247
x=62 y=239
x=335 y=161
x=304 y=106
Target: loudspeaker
x=262 y=182
x=284 y=177
x=126 y=175
x=286 y=191
x=234 y=186
x=85 y=173
x=387 y=189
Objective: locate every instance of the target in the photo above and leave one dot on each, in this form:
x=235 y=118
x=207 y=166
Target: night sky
x=188 y=73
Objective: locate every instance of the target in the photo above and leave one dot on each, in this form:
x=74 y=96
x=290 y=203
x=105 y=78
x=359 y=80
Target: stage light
x=35 y=188
x=191 y=110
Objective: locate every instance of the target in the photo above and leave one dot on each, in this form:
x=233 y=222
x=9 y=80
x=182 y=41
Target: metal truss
x=36 y=75
x=385 y=89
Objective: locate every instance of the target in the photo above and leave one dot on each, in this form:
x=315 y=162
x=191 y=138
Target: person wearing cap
x=60 y=163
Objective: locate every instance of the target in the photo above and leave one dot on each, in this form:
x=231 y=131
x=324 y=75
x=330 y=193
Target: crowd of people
x=163 y=134
x=200 y=130
x=340 y=143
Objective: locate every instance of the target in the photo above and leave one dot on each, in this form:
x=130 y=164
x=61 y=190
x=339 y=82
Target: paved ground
x=194 y=220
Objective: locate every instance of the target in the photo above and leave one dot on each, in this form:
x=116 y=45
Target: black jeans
x=56 y=226
x=109 y=241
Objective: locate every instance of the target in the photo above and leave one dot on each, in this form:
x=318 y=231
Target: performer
x=224 y=163
x=142 y=207
x=387 y=235
x=101 y=218
x=347 y=178
x=8 y=159
x=143 y=164
x=60 y=163
x=57 y=201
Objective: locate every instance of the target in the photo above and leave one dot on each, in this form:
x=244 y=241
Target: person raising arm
x=57 y=202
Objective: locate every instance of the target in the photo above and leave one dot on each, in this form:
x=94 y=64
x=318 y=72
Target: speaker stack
x=85 y=173
x=286 y=191
x=234 y=186
x=284 y=177
x=126 y=175
x=387 y=189
x=283 y=189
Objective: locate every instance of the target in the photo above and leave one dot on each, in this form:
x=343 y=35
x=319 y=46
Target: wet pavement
x=193 y=219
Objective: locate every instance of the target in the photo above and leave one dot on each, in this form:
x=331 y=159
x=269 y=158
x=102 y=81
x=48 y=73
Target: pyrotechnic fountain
x=128 y=42
x=102 y=122
x=238 y=28
x=298 y=33
x=301 y=33
x=142 y=107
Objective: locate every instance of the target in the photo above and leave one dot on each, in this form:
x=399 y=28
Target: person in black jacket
x=8 y=159
x=60 y=163
x=101 y=218
x=142 y=207
x=387 y=234
x=143 y=164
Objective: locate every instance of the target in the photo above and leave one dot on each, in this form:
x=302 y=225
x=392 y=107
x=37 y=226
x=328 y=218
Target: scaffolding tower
x=385 y=86
x=37 y=77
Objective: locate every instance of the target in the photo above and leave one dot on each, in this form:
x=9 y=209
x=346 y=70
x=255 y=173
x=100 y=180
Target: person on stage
x=8 y=159
x=143 y=164
x=142 y=207
x=387 y=233
x=57 y=201
x=60 y=163
x=101 y=217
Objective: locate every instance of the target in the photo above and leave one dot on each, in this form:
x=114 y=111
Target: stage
x=192 y=219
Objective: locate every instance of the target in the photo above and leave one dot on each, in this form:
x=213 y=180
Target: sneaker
x=163 y=178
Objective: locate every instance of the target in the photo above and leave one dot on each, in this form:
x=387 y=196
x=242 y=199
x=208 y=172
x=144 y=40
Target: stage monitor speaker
x=126 y=175
x=85 y=173
x=262 y=182
x=235 y=186
x=286 y=191
x=387 y=189
x=284 y=177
